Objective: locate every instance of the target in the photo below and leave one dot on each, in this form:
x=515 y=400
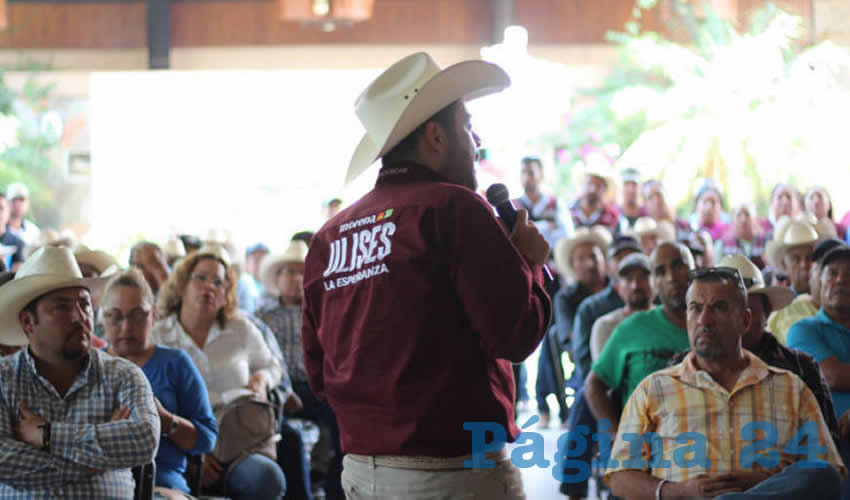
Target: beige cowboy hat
x=407 y=94
x=174 y=248
x=48 y=269
x=597 y=165
x=787 y=234
x=779 y=296
x=597 y=235
x=664 y=229
x=98 y=259
x=296 y=252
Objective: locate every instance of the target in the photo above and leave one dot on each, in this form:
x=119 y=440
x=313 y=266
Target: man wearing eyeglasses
x=746 y=419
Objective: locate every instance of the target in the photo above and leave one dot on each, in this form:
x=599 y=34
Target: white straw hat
x=295 y=252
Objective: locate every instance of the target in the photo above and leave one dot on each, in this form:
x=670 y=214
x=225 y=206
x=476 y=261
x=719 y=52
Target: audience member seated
x=743 y=237
x=544 y=210
x=796 y=253
x=649 y=232
x=13 y=247
x=148 y=258
x=631 y=208
x=594 y=206
x=94 y=264
x=655 y=200
x=73 y=420
x=819 y=204
x=19 y=205
x=186 y=418
x=199 y=316
x=761 y=300
x=633 y=284
x=645 y=341
x=826 y=336
x=785 y=201
x=283 y=276
x=716 y=393
x=708 y=211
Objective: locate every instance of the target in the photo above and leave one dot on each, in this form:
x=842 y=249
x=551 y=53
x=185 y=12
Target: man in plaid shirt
x=73 y=420
x=722 y=423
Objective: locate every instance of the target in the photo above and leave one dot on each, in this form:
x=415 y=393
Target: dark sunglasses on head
x=729 y=273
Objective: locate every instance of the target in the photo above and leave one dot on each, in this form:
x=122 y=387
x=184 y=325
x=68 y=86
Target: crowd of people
x=348 y=364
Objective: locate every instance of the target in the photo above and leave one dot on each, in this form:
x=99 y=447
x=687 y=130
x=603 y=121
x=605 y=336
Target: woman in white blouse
x=199 y=311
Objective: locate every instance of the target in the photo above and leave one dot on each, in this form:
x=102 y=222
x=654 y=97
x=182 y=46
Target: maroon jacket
x=415 y=304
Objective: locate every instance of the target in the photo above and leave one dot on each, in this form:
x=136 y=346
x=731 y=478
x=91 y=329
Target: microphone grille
x=498 y=194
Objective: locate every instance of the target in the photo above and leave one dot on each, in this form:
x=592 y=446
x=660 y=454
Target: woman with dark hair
x=199 y=316
x=744 y=236
x=819 y=204
x=784 y=200
x=655 y=202
x=708 y=211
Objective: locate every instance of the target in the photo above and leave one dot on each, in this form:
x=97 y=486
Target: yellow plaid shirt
x=683 y=398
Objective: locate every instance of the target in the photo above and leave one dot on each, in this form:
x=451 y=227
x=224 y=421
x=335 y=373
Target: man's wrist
x=45 y=436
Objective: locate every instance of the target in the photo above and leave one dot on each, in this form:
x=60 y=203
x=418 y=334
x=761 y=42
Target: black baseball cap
x=621 y=243
x=837 y=253
x=825 y=246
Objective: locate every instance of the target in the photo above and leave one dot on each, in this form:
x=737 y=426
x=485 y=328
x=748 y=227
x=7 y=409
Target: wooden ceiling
x=123 y=24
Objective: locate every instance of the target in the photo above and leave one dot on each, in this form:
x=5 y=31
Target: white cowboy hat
x=597 y=235
x=96 y=258
x=779 y=296
x=664 y=229
x=597 y=165
x=788 y=233
x=407 y=94
x=174 y=248
x=295 y=252
x=48 y=269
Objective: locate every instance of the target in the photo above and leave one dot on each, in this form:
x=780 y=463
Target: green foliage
x=709 y=106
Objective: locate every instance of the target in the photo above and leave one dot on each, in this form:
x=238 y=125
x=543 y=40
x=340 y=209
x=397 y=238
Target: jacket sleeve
x=582 y=326
x=314 y=356
x=563 y=319
x=501 y=292
x=114 y=445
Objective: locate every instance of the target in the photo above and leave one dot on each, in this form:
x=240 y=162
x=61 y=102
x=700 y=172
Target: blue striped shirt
x=82 y=440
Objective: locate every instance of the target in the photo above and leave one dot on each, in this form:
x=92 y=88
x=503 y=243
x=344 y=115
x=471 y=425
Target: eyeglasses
x=114 y=319
x=215 y=281
x=722 y=272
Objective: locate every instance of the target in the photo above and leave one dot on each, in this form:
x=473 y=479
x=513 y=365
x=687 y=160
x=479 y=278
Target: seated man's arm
x=601 y=403
x=26 y=468
x=606 y=374
x=810 y=341
x=120 y=444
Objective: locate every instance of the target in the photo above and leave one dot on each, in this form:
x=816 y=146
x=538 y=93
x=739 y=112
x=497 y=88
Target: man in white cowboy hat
x=791 y=249
x=416 y=300
x=649 y=232
x=73 y=420
x=594 y=205
x=758 y=340
x=12 y=247
x=645 y=341
x=282 y=276
x=19 y=204
x=804 y=305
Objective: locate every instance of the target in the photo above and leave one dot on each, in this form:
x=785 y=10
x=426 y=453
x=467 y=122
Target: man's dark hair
x=407 y=147
x=32 y=308
x=741 y=293
x=532 y=159
x=765 y=300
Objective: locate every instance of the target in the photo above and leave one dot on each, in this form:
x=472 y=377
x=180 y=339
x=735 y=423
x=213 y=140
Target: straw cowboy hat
x=779 y=296
x=598 y=235
x=97 y=259
x=48 y=269
x=789 y=233
x=174 y=248
x=407 y=94
x=597 y=165
x=664 y=229
x=53 y=238
x=295 y=253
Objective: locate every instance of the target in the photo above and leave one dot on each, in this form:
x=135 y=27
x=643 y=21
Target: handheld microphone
x=498 y=196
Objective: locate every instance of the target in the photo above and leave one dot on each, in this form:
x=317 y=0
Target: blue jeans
x=295 y=463
x=580 y=414
x=256 y=477
x=794 y=483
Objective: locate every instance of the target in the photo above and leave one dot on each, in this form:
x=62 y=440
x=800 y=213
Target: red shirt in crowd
x=415 y=304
